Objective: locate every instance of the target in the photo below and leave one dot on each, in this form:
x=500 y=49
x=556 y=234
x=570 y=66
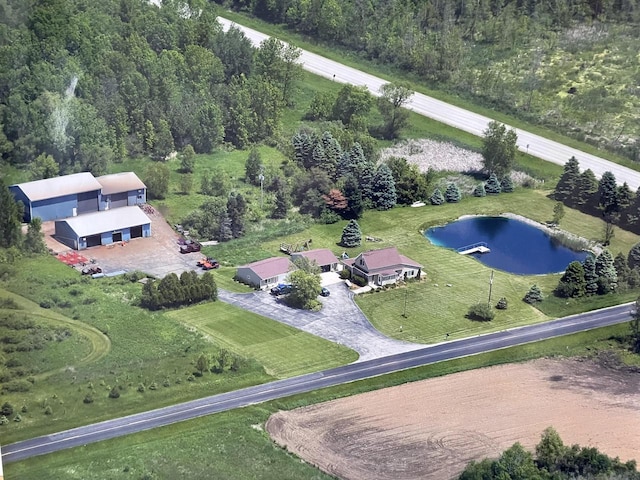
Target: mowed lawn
x=451 y=282
x=282 y=350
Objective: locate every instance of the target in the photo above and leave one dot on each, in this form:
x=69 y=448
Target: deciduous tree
x=499 y=149
x=10 y=218
x=393 y=98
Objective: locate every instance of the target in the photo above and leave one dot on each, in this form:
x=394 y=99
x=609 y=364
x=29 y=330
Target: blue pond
x=516 y=246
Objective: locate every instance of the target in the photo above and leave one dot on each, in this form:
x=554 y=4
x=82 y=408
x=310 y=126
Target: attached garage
x=103 y=228
x=121 y=190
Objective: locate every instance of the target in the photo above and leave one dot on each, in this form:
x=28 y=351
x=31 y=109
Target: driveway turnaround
x=451 y=115
x=339 y=321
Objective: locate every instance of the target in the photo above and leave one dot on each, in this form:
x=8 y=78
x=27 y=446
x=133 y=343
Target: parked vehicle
x=210 y=264
x=281 y=289
x=91 y=270
x=190 y=246
x=325 y=292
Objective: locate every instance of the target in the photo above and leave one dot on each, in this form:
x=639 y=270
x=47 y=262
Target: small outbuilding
x=265 y=273
x=383 y=267
x=58 y=197
x=323 y=257
x=121 y=190
x=103 y=228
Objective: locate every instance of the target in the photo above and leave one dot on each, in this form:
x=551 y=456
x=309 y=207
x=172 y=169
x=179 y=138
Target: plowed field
x=433 y=428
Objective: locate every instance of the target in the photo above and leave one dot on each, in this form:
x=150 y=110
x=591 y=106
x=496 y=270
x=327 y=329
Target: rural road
x=313 y=381
x=454 y=116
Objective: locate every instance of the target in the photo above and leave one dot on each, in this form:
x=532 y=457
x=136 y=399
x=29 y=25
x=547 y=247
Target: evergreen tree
x=236 y=209
x=633 y=259
x=606 y=272
x=590 y=276
x=568 y=183
x=304 y=141
x=625 y=197
x=452 y=193
x=622 y=268
x=224 y=227
x=163 y=146
x=253 y=167
x=384 y=190
x=353 y=194
x=332 y=154
x=506 y=184
x=150 y=297
x=10 y=218
x=534 y=295
x=283 y=199
x=209 y=287
x=607 y=193
x=587 y=188
x=436 y=198
x=479 y=191
x=572 y=283
x=188 y=159
x=499 y=149
x=34 y=240
x=170 y=290
x=351 y=235
x=365 y=174
x=492 y=187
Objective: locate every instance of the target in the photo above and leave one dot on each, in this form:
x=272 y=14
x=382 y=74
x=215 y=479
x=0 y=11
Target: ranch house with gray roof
x=383 y=267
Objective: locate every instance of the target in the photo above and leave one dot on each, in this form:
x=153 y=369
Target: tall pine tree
x=590 y=277
x=351 y=235
x=10 y=218
x=568 y=183
x=383 y=187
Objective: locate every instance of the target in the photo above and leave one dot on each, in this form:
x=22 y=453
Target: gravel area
x=442 y=156
x=430 y=154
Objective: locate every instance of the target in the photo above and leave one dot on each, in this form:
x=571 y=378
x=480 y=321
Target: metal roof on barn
x=120 y=182
x=107 y=221
x=59 y=186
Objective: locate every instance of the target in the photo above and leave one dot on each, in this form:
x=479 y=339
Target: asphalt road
x=306 y=383
x=454 y=116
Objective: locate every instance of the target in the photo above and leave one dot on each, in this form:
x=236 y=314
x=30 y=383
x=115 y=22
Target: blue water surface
x=516 y=246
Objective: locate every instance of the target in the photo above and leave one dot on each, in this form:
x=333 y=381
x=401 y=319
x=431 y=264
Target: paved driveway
x=339 y=321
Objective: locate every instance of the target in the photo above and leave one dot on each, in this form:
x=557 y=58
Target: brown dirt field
x=431 y=429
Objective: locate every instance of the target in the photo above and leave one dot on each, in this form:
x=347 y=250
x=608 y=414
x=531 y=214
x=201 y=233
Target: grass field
x=132 y=347
x=264 y=340
x=234 y=446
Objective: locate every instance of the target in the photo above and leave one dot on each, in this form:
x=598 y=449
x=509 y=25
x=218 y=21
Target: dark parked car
x=190 y=246
x=325 y=292
x=281 y=289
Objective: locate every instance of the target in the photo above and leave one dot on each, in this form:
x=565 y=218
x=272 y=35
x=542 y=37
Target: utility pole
x=261 y=178
x=490 y=287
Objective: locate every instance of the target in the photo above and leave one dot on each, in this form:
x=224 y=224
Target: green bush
x=358 y=280
x=114 y=393
x=502 y=304
x=48 y=410
x=345 y=274
x=17 y=386
x=481 y=311
x=88 y=399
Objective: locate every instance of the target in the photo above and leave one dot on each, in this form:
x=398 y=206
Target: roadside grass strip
x=283 y=351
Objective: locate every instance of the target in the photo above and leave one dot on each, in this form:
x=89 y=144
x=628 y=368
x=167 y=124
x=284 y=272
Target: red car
x=190 y=246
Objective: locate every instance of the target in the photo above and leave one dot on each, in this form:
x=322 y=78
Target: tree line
x=173 y=291
x=84 y=84
x=617 y=205
x=553 y=460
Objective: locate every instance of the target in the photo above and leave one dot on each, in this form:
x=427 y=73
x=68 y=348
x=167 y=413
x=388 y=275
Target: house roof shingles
x=322 y=256
x=385 y=259
x=270 y=267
